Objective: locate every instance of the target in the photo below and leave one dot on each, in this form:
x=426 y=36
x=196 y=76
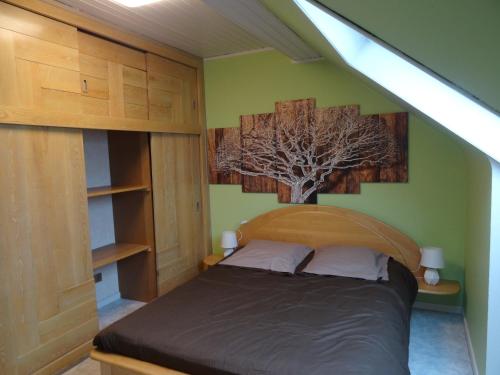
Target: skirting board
x=472 y=354
x=435 y=307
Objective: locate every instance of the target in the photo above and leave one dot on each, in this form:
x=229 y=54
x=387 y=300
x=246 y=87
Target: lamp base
x=431 y=276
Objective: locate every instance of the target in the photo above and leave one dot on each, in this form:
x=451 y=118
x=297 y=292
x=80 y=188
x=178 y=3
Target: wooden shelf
x=108 y=190
x=444 y=287
x=111 y=253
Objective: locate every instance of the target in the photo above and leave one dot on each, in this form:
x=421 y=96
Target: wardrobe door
x=172 y=93
x=39 y=66
x=113 y=79
x=175 y=163
x=48 y=307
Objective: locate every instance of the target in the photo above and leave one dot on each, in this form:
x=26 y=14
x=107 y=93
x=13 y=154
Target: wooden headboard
x=317 y=226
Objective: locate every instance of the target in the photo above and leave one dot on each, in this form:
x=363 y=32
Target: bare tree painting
x=302 y=150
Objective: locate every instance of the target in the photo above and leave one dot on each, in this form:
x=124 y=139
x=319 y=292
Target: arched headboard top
x=317 y=226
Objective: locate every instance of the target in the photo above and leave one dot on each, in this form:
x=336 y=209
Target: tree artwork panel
x=300 y=150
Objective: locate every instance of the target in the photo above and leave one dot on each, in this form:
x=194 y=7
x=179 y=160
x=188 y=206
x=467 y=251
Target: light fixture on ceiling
x=406 y=79
x=135 y=3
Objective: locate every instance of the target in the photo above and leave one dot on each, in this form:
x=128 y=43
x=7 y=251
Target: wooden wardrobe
x=61 y=73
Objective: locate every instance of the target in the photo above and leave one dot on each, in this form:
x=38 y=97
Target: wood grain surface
x=46 y=283
x=317 y=226
x=340 y=181
x=177 y=208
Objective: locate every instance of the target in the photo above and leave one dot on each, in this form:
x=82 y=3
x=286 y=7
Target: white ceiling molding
x=253 y=17
x=238 y=54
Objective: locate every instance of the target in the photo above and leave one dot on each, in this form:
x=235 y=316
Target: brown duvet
x=239 y=321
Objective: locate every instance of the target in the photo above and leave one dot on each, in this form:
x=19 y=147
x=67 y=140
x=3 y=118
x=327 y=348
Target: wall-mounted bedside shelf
x=109 y=190
x=108 y=254
x=444 y=287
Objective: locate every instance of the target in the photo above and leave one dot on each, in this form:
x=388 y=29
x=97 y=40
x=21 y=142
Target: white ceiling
x=206 y=29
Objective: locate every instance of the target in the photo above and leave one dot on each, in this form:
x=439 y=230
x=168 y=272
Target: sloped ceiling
x=458 y=39
x=254 y=17
x=293 y=17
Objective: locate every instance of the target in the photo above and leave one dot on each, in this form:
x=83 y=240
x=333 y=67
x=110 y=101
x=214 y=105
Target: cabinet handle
x=197 y=206
x=85 y=88
x=194 y=104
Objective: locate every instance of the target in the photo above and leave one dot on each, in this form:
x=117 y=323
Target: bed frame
x=314 y=226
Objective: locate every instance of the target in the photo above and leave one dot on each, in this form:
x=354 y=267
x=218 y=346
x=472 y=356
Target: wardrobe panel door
x=46 y=284
x=175 y=162
x=113 y=79
x=39 y=67
x=172 y=93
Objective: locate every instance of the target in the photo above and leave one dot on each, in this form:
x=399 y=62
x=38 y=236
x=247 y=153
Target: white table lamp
x=229 y=242
x=432 y=259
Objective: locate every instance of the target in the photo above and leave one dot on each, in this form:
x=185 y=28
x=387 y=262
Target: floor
x=117 y=310
x=437 y=342
x=438 y=345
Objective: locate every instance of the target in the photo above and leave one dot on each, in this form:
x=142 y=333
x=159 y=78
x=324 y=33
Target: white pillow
x=357 y=262
x=269 y=255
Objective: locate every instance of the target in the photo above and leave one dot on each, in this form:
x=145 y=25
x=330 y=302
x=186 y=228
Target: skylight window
x=422 y=90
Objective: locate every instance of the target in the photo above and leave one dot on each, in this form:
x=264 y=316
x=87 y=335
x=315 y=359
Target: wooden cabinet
x=172 y=93
x=113 y=79
x=50 y=67
x=48 y=308
x=175 y=160
x=54 y=74
x=61 y=79
x=39 y=67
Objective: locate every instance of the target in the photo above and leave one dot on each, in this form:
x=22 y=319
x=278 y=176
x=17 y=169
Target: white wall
x=102 y=230
x=493 y=338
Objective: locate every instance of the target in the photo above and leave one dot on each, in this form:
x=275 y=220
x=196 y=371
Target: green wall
x=477 y=252
x=430 y=208
x=458 y=39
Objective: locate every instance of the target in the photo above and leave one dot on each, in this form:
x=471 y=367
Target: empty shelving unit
x=121 y=214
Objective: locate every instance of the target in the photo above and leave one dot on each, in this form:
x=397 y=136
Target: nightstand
x=444 y=287
x=211 y=260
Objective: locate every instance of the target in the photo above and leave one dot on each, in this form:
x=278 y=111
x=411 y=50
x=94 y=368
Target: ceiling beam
x=253 y=17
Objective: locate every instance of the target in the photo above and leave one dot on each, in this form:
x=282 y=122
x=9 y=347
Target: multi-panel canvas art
x=300 y=150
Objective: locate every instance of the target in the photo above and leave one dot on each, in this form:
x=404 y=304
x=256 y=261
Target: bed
x=240 y=321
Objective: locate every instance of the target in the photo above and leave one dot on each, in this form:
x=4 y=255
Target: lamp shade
x=229 y=240
x=432 y=257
